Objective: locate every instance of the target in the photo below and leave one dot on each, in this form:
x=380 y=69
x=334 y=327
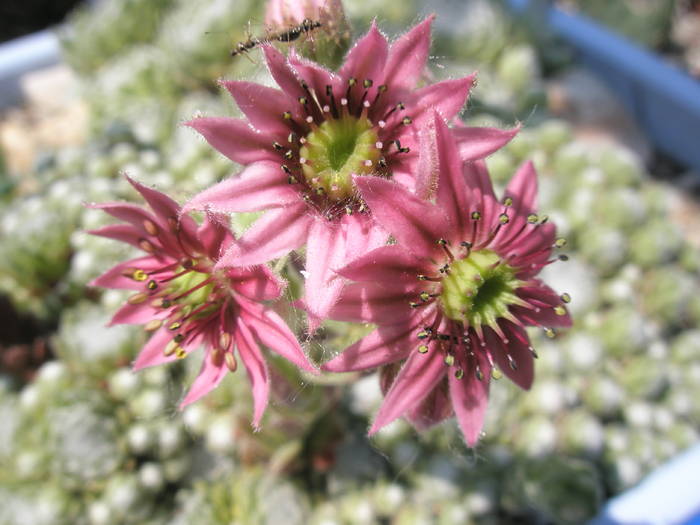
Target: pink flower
x=181 y=297
x=452 y=297
x=282 y=14
x=303 y=143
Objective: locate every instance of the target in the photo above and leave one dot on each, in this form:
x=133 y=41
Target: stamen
x=150 y=227
x=331 y=96
x=565 y=297
x=153 y=325
x=231 y=362
x=139 y=275
x=146 y=246
x=137 y=298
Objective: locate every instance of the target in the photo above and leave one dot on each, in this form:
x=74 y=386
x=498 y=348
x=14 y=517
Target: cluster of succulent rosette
x=368 y=173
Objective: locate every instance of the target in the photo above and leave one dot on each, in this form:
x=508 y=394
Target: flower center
x=479 y=289
x=336 y=150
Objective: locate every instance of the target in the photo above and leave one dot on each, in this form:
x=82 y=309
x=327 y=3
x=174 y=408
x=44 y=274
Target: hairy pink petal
x=283 y=74
x=209 y=377
x=272 y=330
x=453 y=194
x=255 y=367
x=258 y=282
x=477 y=142
x=273 y=235
x=383 y=303
x=417 y=378
x=385 y=264
x=447 y=98
x=545 y=299
x=315 y=76
x=235 y=139
x=367 y=58
x=262 y=185
x=416 y=224
x=119 y=232
x=432 y=410
x=262 y=105
x=115 y=278
x=325 y=252
x=470 y=398
x=483 y=198
x=522 y=188
x=518 y=348
x=387 y=344
x=407 y=56
x=215 y=235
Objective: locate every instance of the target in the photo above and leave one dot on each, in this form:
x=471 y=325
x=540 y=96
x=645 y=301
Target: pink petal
x=209 y=377
x=274 y=333
x=518 y=349
x=546 y=299
x=137 y=314
x=478 y=143
x=387 y=344
x=407 y=56
x=470 y=398
x=119 y=232
x=261 y=185
x=391 y=263
x=215 y=235
x=152 y=352
x=283 y=74
x=447 y=98
x=325 y=252
x=522 y=188
x=382 y=303
x=417 y=378
x=362 y=234
x=416 y=224
x=128 y=212
x=433 y=409
x=453 y=194
x=483 y=198
x=366 y=59
x=273 y=235
x=264 y=106
x=258 y=282
x=315 y=76
x=235 y=139
x=256 y=368
x=163 y=206
x=115 y=278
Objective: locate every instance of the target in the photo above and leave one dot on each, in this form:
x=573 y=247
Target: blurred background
x=85 y=441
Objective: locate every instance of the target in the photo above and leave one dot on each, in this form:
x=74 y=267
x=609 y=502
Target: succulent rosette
x=452 y=297
x=303 y=143
x=186 y=302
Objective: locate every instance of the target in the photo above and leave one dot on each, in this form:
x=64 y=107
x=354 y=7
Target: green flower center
x=479 y=289
x=335 y=151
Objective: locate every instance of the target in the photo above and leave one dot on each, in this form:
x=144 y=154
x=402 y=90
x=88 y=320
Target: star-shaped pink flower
x=452 y=297
x=303 y=143
x=181 y=296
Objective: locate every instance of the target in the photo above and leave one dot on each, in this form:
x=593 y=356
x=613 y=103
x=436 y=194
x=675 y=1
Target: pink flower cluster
x=400 y=227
